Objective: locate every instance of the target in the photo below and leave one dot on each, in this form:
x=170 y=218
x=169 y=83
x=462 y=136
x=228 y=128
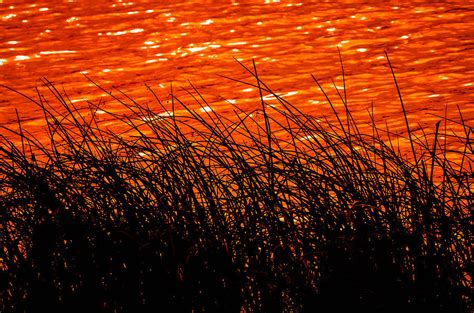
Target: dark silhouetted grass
x=272 y=210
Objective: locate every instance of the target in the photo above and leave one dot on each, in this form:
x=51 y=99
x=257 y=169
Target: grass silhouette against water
x=267 y=211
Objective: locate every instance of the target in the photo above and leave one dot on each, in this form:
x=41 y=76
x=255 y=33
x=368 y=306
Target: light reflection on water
x=126 y=44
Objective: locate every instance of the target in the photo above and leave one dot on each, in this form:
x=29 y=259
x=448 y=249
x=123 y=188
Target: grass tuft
x=205 y=212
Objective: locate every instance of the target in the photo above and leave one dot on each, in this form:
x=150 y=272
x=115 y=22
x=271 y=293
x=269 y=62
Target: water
x=128 y=44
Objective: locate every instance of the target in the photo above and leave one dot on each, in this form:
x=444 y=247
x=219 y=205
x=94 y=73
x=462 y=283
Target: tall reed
x=271 y=210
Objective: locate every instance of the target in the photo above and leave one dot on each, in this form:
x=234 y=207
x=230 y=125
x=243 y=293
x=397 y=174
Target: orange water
x=128 y=44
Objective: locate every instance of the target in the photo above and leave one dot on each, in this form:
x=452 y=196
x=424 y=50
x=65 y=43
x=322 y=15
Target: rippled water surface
x=128 y=44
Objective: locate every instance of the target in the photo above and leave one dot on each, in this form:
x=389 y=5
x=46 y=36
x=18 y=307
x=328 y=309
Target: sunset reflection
x=184 y=42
